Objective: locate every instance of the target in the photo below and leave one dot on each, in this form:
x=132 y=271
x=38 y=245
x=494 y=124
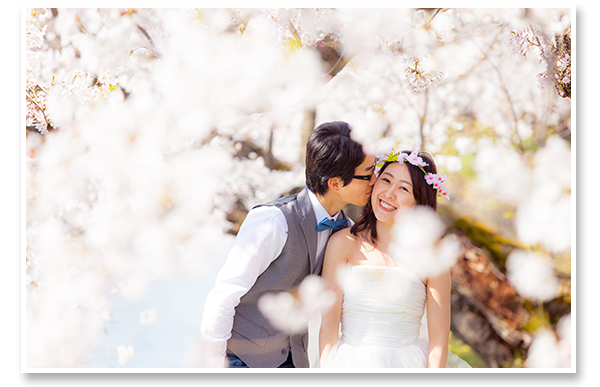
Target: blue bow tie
x=335 y=225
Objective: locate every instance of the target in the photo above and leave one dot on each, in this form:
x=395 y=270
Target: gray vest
x=253 y=338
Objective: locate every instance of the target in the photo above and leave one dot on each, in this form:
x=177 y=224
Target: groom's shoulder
x=297 y=196
x=282 y=201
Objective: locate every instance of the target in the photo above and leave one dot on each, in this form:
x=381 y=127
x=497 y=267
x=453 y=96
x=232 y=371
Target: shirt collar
x=320 y=212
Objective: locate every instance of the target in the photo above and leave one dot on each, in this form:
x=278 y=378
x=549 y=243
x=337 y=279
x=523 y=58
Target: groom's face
x=359 y=189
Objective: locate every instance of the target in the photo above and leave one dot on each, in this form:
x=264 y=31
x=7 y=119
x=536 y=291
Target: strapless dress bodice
x=382 y=306
x=381 y=319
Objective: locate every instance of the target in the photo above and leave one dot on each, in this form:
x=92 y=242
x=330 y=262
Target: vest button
x=283 y=351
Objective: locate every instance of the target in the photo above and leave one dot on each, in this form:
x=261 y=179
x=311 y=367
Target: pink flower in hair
x=444 y=192
x=430 y=178
x=402 y=157
x=414 y=159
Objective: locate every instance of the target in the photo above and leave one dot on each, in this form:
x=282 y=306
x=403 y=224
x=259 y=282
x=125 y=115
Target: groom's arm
x=259 y=241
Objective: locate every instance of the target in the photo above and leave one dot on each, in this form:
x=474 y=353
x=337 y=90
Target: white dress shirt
x=259 y=242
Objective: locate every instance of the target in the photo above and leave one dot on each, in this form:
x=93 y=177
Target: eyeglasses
x=362 y=177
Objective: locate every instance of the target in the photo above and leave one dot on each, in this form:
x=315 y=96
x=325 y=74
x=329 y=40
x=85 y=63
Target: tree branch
x=423 y=117
x=149 y=38
x=511 y=104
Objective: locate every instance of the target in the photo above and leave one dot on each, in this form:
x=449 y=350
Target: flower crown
x=432 y=179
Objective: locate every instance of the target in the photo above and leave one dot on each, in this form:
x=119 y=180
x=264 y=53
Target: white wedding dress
x=381 y=321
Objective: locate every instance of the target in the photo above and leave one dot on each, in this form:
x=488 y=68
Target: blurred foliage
x=462 y=350
x=537 y=319
x=477 y=231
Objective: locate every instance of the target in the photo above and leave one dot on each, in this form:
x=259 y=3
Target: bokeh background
x=149 y=133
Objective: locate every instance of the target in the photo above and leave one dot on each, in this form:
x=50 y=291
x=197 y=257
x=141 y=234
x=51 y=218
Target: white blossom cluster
x=311 y=25
x=147 y=317
x=542 y=195
x=551 y=349
x=417 y=80
x=125 y=353
x=34 y=31
x=420 y=245
x=533 y=189
x=523 y=41
x=292 y=312
x=35 y=94
x=529 y=39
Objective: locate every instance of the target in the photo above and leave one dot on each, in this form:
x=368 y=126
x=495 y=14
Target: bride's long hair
x=424 y=193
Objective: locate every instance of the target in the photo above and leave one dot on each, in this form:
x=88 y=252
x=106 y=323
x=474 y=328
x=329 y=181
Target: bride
x=380 y=324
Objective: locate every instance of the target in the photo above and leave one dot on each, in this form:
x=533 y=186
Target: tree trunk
x=487 y=312
x=308 y=124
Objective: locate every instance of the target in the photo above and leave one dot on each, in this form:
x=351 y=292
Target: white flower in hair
x=414 y=159
x=382 y=158
x=444 y=192
x=437 y=181
x=430 y=178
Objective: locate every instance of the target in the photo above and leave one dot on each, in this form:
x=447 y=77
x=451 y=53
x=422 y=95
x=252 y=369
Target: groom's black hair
x=331 y=152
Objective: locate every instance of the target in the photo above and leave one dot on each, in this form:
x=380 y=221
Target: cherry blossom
x=430 y=178
x=441 y=178
x=125 y=353
x=551 y=349
x=532 y=275
x=419 y=243
x=444 y=192
x=414 y=159
x=293 y=312
x=147 y=317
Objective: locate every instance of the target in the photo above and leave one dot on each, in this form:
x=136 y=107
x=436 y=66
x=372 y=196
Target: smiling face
x=392 y=192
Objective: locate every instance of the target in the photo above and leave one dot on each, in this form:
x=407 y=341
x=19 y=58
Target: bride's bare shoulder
x=343 y=241
x=343 y=236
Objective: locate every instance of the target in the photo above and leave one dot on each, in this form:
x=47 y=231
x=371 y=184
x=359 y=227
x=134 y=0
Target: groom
x=278 y=245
